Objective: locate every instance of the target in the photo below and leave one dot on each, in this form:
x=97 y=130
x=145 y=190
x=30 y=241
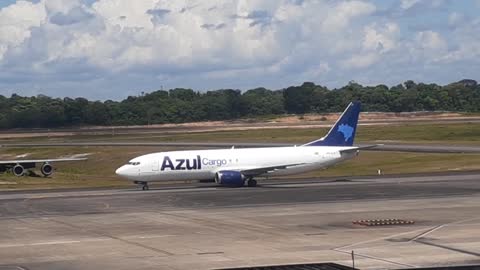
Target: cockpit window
x=133 y=163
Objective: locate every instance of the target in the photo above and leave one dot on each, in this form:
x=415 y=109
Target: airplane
x=238 y=167
x=20 y=166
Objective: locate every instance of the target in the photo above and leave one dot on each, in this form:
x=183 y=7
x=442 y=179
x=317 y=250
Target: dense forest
x=185 y=105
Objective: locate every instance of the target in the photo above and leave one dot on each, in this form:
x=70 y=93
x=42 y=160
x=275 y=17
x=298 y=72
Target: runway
x=414 y=148
x=207 y=227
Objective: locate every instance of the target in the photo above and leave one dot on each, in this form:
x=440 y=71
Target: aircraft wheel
x=252 y=182
x=145 y=187
x=18 y=170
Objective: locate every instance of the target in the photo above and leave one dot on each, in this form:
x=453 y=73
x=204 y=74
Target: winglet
x=343 y=132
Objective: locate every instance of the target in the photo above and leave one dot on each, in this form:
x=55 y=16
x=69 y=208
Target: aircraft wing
x=262 y=170
x=19 y=166
x=20 y=161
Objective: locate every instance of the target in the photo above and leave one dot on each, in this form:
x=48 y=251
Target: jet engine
x=230 y=178
x=18 y=170
x=46 y=169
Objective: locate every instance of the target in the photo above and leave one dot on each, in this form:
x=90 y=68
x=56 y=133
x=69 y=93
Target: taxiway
x=414 y=148
x=208 y=227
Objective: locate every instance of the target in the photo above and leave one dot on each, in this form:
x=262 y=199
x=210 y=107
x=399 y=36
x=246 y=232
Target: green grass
x=98 y=171
x=367 y=163
x=457 y=133
x=466 y=133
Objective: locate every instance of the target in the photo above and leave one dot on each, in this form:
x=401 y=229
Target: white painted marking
x=54 y=242
x=150 y=236
x=377 y=258
x=427 y=232
x=342 y=248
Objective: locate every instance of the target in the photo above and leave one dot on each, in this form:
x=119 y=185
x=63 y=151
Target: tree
x=299 y=99
x=184 y=105
x=97 y=114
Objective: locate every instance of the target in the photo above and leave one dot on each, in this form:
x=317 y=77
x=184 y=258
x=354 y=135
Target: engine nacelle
x=18 y=170
x=230 y=178
x=46 y=169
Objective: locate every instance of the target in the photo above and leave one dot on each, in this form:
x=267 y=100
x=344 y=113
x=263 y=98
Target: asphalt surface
x=34 y=203
x=203 y=226
x=416 y=148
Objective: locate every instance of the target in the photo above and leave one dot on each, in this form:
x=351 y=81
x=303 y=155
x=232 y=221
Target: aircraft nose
x=121 y=171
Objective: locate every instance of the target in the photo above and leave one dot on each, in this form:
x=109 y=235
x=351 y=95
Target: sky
x=110 y=49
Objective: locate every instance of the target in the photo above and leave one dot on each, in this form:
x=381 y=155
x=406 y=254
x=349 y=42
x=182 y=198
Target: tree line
x=185 y=105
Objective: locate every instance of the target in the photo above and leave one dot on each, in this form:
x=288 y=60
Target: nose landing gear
x=144 y=185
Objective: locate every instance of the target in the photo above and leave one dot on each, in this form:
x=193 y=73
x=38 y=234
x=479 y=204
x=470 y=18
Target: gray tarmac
x=206 y=227
x=415 y=148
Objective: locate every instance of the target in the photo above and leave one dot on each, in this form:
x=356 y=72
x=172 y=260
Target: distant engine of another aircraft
x=230 y=178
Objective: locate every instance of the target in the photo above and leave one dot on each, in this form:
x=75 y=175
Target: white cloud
x=360 y=61
x=316 y=71
x=381 y=39
x=430 y=40
x=16 y=22
x=55 y=44
x=340 y=16
x=406 y=4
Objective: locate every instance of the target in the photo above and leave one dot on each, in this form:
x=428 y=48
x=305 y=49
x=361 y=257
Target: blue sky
x=109 y=49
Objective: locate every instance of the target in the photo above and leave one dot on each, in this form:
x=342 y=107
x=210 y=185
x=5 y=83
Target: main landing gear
x=251 y=182
x=144 y=185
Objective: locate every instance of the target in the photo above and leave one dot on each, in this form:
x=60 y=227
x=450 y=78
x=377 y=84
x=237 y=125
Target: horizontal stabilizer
x=360 y=148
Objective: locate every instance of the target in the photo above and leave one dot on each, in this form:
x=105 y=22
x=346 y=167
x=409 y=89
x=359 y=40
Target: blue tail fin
x=343 y=132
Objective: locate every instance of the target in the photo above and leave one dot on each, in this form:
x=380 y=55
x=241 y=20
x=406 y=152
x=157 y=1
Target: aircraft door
x=155 y=165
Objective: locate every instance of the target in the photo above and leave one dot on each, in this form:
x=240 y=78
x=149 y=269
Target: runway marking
x=149 y=236
x=12 y=267
x=80 y=194
x=377 y=258
x=426 y=233
x=417 y=239
x=64 y=242
x=54 y=243
x=378 y=239
x=441 y=226
x=211 y=253
x=199 y=188
x=342 y=249
x=103 y=234
x=448 y=248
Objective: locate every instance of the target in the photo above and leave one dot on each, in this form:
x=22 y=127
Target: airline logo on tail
x=346 y=130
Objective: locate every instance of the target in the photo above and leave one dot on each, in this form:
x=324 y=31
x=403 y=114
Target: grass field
x=423 y=133
x=98 y=171
x=461 y=133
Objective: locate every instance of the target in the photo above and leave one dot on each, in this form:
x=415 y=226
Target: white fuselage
x=204 y=164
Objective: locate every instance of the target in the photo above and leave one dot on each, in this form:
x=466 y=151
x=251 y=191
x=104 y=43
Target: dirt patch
x=287 y=121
